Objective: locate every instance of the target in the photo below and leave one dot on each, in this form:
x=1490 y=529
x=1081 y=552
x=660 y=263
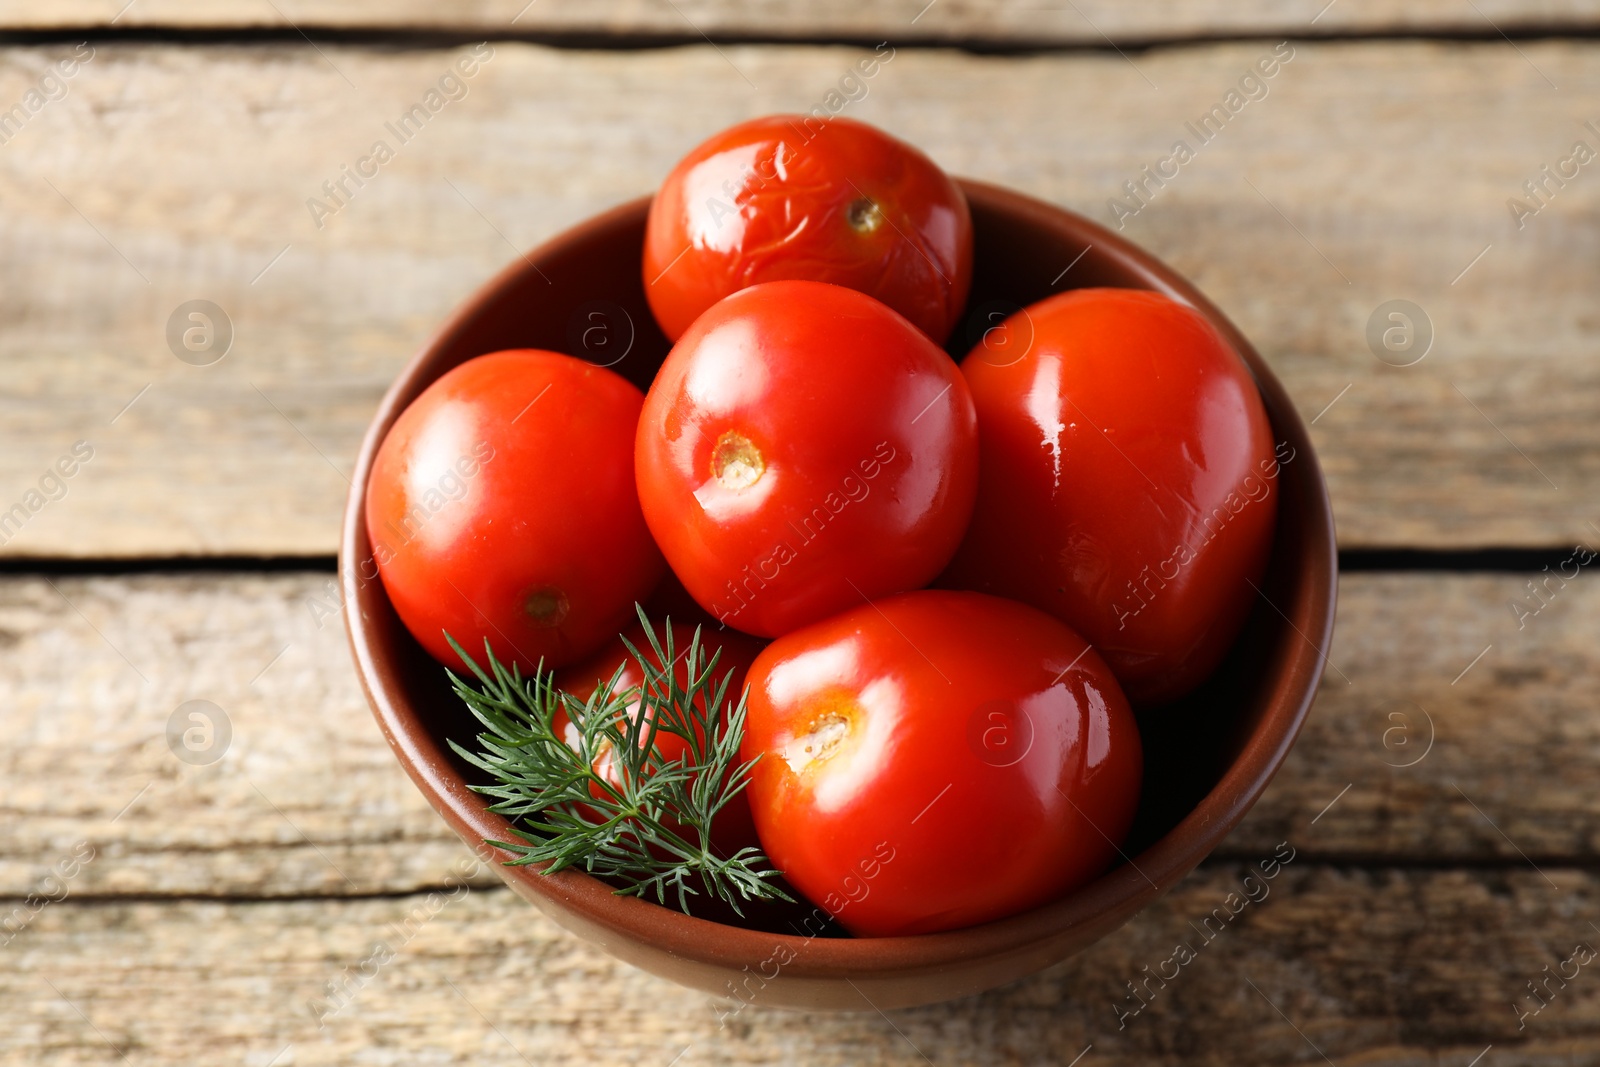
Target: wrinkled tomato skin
x=733 y=828
x=787 y=197
x=1129 y=481
x=803 y=449
x=970 y=758
x=502 y=506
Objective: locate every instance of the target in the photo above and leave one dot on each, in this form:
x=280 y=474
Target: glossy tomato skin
x=533 y=541
x=733 y=828
x=802 y=449
x=937 y=760
x=796 y=196
x=1129 y=481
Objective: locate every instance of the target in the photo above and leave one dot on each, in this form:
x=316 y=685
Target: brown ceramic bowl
x=1207 y=760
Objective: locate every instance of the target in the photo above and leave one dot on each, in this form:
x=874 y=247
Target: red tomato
x=733 y=828
x=804 y=449
x=1128 y=483
x=828 y=200
x=937 y=760
x=501 y=505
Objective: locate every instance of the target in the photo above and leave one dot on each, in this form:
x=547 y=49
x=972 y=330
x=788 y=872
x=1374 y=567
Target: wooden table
x=1441 y=804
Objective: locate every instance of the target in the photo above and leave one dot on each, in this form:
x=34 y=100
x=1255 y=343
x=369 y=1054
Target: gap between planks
x=414 y=38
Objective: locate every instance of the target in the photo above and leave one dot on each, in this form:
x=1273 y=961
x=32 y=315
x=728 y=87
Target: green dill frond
x=648 y=832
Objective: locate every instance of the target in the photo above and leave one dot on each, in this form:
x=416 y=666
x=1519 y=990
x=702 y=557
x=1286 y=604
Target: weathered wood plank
x=1382 y=968
x=1372 y=171
x=1086 y=22
x=304 y=795
x=1459 y=713
x=307 y=799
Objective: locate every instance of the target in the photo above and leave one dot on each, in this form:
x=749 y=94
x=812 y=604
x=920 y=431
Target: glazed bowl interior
x=1208 y=757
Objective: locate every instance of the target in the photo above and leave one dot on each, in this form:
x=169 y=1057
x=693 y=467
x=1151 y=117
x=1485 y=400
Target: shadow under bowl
x=1208 y=758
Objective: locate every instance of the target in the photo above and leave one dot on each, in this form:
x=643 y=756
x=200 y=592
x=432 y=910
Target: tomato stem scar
x=818 y=743
x=547 y=606
x=864 y=215
x=736 y=463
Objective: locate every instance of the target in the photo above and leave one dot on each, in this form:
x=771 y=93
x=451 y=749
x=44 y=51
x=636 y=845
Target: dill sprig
x=649 y=830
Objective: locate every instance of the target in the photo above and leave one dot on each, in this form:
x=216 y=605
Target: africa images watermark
x=1552 y=983
x=1253 y=890
x=1252 y=86
x=340 y=190
x=53 y=888
x=340 y=991
x=1149 y=582
x=52 y=487
x=1542 y=187
x=852 y=490
x=851 y=88
x=853 y=889
x=51 y=86
x=449 y=488
x=1538 y=597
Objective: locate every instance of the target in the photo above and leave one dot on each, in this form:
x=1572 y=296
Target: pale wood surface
x=1036 y=22
x=1393 y=160
x=1381 y=968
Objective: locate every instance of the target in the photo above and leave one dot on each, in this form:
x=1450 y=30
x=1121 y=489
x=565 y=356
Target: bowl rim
x=1121 y=891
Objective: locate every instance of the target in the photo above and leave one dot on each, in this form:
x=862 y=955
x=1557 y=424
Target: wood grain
x=1461 y=726
x=1372 y=171
x=1088 y=22
x=306 y=799
x=1379 y=967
